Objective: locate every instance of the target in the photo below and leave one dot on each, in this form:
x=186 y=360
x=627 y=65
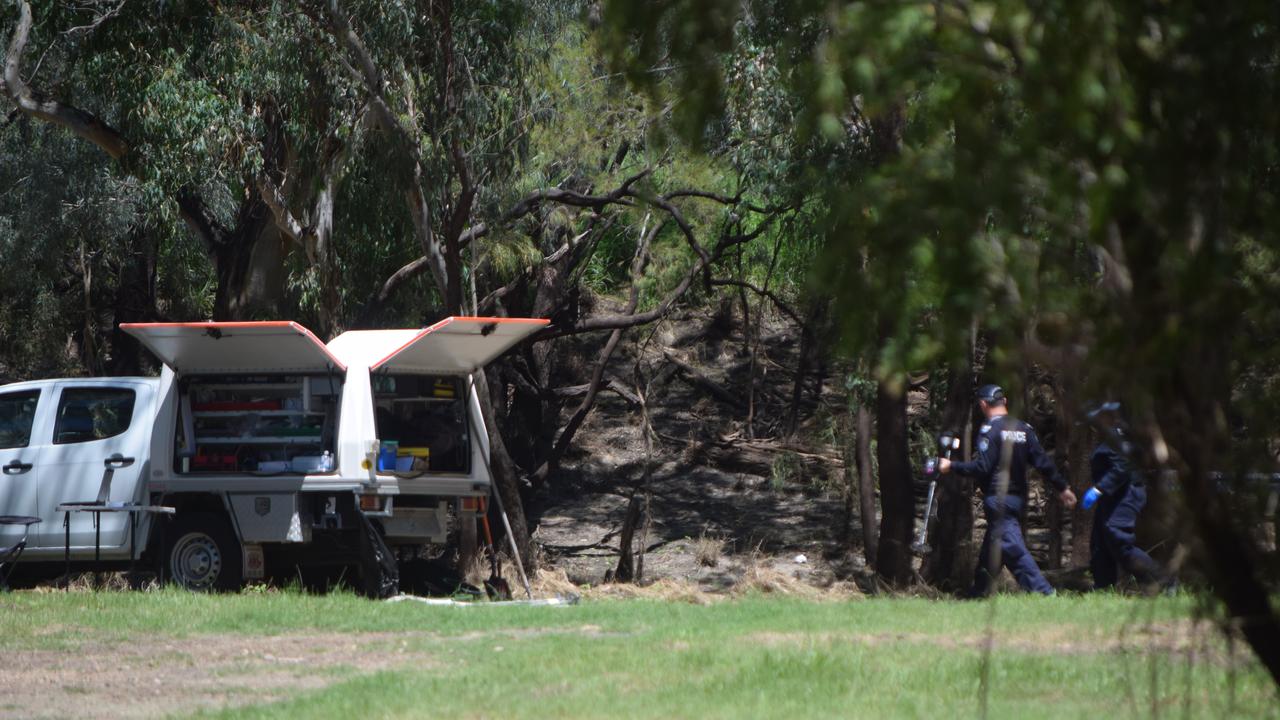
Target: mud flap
x=378 y=569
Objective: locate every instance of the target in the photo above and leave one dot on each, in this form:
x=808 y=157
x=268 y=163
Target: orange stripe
x=502 y=320
x=242 y=324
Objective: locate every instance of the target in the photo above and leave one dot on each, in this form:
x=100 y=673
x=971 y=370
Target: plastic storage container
x=387 y=455
x=312 y=463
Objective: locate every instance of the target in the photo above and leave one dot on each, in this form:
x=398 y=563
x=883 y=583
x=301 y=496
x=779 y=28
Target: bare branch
x=200 y=220
x=764 y=292
x=696 y=377
x=83 y=124
x=638 y=264
x=612 y=383
x=419 y=207
x=97 y=21
x=525 y=206
x=273 y=196
x=535 y=199
x=735 y=201
x=611 y=322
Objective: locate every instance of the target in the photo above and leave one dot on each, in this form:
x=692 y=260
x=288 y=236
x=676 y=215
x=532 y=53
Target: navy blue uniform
x=1004 y=509
x=1123 y=497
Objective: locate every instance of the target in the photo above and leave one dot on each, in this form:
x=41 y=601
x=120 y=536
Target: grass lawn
x=288 y=655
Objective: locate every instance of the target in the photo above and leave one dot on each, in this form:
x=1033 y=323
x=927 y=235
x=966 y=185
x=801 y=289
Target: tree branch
x=613 y=384
x=611 y=322
x=93 y=25
x=523 y=207
x=419 y=207
x=273 y=196
x=764 y=292
x=200 y=220
x=638 y=264
x=83 y=124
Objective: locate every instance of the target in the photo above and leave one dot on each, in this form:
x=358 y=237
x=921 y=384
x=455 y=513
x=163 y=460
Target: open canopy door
x=213 y=347
x=459 y=345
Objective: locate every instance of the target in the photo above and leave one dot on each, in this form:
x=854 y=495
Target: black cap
x=990 y=393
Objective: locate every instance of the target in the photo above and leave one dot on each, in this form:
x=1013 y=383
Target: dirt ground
x=160 y=677
x=717 y=511
x=151 y=678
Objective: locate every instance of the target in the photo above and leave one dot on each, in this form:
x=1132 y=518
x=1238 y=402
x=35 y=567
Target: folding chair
x=102 y=505
x=9 y=554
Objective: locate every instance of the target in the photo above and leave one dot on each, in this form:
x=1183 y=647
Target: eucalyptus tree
x=219 y=115
x=1094 y=182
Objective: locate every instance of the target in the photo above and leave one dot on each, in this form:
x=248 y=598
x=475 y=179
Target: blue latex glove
x=1091 y=497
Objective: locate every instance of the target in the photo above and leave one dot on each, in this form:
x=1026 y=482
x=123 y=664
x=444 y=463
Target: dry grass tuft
x=666 y=589
x=759 y=577
x=551 y=583
x=708 y=549
x=105 y=581
x=762 y=579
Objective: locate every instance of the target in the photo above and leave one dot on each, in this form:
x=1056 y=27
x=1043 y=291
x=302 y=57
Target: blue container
x=387 y=455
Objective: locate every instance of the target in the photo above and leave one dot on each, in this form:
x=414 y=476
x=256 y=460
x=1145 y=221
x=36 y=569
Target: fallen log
x=697 y=378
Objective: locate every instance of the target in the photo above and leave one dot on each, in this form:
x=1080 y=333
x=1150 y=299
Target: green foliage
x=1076 y=173
x=785 y=470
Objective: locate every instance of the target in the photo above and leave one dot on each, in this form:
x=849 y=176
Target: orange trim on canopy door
x=241 y=324
x=459 y=318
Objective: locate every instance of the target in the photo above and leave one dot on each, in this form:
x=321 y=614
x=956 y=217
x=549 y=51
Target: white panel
x=235 y=347
x=458 y=345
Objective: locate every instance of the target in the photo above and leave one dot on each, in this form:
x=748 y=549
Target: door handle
x=118 y=461
x=16 y=468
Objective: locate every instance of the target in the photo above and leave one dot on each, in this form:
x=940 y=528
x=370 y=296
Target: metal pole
x=493 y=490
x=66 y=548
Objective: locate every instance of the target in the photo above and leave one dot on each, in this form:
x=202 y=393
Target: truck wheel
x=204 y=555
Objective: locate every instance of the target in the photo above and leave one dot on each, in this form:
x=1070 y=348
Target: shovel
x=497 y=587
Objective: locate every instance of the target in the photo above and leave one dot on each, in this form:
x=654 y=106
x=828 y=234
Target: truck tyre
x=203 y=555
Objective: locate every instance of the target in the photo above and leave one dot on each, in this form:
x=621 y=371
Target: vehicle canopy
x=453 y=346
x=235 y=347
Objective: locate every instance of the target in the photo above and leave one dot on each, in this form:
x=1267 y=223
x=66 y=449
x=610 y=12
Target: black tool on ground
x=497 y=587
x=946 y=443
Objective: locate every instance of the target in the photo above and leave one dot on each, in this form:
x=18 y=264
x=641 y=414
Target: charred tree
x=897 y=499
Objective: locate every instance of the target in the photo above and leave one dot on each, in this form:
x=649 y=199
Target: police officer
x=1006 y=444
x=1120 y=495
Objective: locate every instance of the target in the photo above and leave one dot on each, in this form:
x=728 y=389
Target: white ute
x=275 y=449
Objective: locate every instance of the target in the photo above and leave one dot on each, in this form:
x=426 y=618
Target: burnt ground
x=719 y=503
x=722 y=500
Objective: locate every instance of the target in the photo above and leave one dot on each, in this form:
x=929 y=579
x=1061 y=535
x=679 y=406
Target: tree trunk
x=866 y=485
x=630 y=569
x=1230 y=561
x=897 y=499
x=630 y=565
x=951 y=562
